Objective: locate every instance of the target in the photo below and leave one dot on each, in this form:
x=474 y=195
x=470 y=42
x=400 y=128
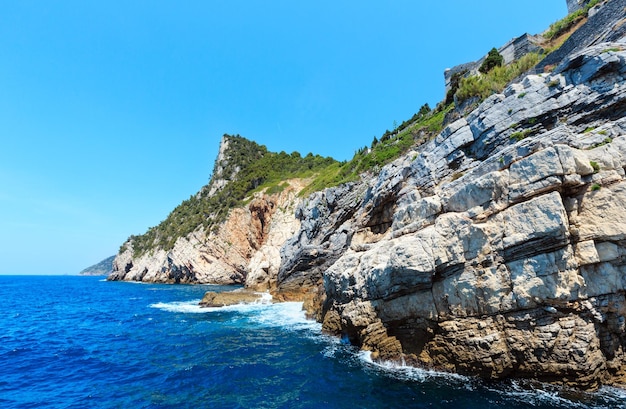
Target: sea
x=84 y=342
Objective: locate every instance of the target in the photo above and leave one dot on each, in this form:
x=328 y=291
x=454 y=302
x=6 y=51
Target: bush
x=518 y=136
x=494 y=59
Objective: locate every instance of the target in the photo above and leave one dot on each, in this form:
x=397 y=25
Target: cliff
x=495 y=247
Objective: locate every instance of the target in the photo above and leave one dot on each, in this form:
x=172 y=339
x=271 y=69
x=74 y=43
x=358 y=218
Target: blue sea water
x=82 y=342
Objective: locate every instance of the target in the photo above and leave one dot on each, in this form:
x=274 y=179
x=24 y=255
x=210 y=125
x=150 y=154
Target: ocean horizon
x=77 y=342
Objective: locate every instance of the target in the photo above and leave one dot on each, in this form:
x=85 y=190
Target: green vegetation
x=595 y=187
x=606 y=140
x=419 y=115
x=595 y=166
x=565 y=24
x=554 y=83
x=257 y=169
x=484 y=85
x=251 y=167
x=494 y=59
x=518 y=136
x=455 y=82
x=421 y=127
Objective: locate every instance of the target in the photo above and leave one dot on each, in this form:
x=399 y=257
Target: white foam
x=191 y=307
x=288 y=315
x=535 y=395
x=403 y=371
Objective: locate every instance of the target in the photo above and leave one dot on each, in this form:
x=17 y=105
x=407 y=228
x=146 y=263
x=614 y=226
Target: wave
x=407 y=372
x=287 y=315
x=532 y=393
x=540 y=394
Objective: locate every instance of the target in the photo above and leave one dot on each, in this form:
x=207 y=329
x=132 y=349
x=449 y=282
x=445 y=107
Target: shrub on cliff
x=422 y=126
x=494 y=59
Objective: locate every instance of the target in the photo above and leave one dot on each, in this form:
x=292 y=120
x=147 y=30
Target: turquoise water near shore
x=82 y=342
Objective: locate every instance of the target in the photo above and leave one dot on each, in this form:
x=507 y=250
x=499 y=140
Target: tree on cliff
x=494 y=59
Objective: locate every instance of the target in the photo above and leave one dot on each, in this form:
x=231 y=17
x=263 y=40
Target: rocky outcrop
x=225 y=298
x=240 y=248
x=497 y=249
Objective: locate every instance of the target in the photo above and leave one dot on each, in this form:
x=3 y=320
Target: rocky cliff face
x=497 y=249
x=244 y=250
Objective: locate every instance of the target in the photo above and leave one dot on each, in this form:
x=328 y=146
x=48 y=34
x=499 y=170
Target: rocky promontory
x=495 y=247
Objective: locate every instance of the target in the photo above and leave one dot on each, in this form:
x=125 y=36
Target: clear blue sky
x=111 y=112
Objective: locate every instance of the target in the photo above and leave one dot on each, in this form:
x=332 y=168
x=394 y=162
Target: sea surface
x=82 y=342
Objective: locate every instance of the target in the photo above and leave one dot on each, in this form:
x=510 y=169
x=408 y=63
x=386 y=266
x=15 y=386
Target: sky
x=111 y=112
